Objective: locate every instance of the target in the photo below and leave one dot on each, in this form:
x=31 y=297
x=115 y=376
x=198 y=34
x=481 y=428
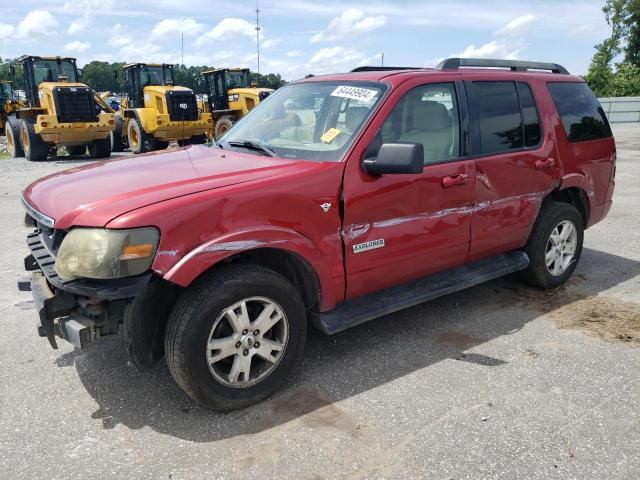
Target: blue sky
x=304 y=36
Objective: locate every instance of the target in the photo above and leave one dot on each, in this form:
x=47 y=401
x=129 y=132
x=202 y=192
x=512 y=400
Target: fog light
x=112 y=122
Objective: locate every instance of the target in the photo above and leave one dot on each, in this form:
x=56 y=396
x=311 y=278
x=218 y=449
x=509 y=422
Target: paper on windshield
x=330 y=135
x=355 y=93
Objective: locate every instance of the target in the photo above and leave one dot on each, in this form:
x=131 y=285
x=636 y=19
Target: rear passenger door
x=515 y=163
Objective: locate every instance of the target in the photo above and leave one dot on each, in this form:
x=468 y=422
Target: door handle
x=544 y=164
x=454 y=180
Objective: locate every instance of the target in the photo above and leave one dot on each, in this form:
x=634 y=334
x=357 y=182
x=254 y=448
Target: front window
x=156 y=75
x=311 y=120
x=237 y=79
x=51 y=71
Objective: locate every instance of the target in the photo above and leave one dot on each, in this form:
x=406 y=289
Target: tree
x=623 y=16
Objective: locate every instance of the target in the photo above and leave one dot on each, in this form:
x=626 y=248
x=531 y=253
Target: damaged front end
x=83 y=311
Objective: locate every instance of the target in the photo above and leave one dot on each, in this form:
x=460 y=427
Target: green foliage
x=626 y=81
x=623 y=16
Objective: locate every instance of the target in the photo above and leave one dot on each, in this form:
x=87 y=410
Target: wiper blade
x=253 y=145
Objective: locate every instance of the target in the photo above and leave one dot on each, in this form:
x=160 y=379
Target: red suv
x=339 y=199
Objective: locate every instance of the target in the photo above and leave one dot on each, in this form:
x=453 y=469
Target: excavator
x=155 y=111
x=230 y=96
x=58 y=111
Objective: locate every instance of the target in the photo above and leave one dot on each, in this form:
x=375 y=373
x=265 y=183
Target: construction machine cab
x=219 y=81
x=140 y=75
x=37 y=70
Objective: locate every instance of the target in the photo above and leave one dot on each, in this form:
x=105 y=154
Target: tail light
x=614 y=158
x=112 y=122
x=44 y=124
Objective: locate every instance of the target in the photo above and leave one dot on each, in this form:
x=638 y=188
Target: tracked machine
x=156 y=111
x=230 y=96
x=58 y=111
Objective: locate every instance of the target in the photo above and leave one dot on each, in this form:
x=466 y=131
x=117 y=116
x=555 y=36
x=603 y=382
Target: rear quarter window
x=582 y=116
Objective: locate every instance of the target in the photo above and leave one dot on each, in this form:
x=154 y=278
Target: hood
x=94 y=194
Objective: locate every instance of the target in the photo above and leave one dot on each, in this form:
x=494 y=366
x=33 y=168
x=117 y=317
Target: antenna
x=382 y=60
x=258 y=33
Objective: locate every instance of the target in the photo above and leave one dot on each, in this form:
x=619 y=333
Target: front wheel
x=554 y=246
x=139 y=140
x=12 y=132
x=100 y=148
x=235 y=335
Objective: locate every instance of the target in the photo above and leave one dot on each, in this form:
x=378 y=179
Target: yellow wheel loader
x=156 y=112
x=230 y=96
x=59 y=111
x=9 y=126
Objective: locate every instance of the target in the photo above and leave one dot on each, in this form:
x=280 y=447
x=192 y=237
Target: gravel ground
x=499 y=381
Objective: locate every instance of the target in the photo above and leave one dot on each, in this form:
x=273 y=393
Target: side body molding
x=213 y=251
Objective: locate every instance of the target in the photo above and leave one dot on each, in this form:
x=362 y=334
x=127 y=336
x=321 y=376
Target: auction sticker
x=355 y=93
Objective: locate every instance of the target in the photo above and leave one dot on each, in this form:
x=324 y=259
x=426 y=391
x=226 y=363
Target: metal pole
x=182 y=45
x=258 y=33
x=382 y=60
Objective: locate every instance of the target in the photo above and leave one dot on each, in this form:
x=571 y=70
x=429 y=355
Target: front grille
x=75 y=104
x=182 y=105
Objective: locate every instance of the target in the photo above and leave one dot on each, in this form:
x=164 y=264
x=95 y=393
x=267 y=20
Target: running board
x=362 y=309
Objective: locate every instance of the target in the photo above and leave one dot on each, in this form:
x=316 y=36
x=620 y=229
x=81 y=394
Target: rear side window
x=499 y=116
x=532 y=133
x=507 y=116
x=582 y=116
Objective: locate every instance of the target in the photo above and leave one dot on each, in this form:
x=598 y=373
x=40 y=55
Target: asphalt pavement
x=479 y=384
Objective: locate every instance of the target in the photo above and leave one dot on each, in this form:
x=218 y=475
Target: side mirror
x=115 y=74
x=12 y=70
x=80 y=72
x=396 y=158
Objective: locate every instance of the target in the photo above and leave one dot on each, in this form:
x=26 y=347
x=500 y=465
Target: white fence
x=621 y=109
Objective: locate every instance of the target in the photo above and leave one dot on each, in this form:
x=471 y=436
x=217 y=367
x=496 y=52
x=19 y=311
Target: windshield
x=311 y=120
x=6 y=93
x=237 y=79
x=154 y=76
x=50 y=71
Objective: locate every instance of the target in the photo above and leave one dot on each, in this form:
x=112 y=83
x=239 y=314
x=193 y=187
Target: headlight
x=234 y=97
x=100 y=253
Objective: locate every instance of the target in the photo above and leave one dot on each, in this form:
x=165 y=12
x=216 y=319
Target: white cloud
x=294 y=53
x=507 y=49
x=517 y=26
x=336 y=59
x=351 y=22
x=77 y=47
x=232 y=27
x=174 y=27
x=271 y=42
x=6 y=31
x=37 y=23
x=79 y=25
x=118 y=36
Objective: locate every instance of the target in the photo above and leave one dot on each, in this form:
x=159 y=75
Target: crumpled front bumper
x=79 y=310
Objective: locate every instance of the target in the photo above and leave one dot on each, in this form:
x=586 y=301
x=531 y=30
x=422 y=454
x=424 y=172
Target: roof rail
x=515 y=65
x=383 y=69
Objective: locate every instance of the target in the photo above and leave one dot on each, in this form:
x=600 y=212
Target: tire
x=12 y=132
x=223 y=124
x=139 y=140
x=100 y=148
x=201 y=308
x=117 y=142
x=77 y=149
x=161 y=145
x=184 y=142
x=35 y=149
x=557 y=219
x=199 y=139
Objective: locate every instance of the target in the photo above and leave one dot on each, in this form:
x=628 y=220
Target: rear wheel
x=235 y=335
x=223 y=124
x=139 y=140
x=12 y=132
x=117 y=142
x=555 y=245
x=77 y=149
x=100 y=148
x=35 y=149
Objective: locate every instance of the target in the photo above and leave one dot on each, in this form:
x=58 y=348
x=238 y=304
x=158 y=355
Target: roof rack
x=514 y=65
x=382 y=69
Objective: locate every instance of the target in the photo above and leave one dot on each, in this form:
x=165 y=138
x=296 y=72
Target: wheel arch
x=573 y=195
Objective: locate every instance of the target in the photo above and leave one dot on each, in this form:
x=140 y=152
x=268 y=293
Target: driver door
x=400 y=227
